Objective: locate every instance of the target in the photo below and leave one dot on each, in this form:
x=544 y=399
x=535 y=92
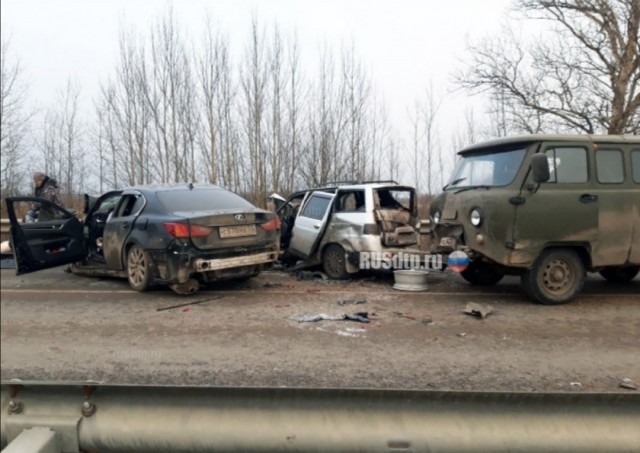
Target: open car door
x=311 y=223
x=44 y=244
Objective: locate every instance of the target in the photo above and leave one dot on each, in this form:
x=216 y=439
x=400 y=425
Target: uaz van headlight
x=436 y=216
x=475 y=217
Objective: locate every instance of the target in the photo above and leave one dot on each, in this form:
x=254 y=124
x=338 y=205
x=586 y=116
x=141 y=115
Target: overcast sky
x=405 y=44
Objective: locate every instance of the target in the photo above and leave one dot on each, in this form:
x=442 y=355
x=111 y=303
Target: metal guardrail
x=105 y=418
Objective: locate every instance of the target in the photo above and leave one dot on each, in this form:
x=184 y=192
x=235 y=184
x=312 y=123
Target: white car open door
x=310 y=223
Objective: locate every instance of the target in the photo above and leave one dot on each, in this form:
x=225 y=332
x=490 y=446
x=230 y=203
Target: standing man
x=47 y=188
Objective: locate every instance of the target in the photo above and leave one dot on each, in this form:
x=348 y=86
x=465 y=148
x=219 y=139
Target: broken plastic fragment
x=359 y=317
x=359 y=300
x=628 y=384
x=481 y=311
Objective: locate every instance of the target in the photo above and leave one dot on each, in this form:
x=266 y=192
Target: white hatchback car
x=332 y=226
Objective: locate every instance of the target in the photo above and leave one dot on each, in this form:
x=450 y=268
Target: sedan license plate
x=237 y=231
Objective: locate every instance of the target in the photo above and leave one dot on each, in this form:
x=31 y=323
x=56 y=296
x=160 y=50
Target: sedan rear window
x=201 y=200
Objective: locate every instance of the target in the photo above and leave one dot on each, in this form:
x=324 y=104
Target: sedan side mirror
x=540 y=168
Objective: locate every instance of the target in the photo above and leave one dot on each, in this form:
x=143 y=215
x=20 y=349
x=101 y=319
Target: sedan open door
x=44 y=244
x=310 y=223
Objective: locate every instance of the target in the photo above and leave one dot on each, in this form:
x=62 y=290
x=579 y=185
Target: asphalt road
x=62 y=327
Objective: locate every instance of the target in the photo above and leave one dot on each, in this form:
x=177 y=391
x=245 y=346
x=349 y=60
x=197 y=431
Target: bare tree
x=254 y=81
x=14 y=122
x=321 y=151
x=393 y=161
x=417 y=136
x=210 y=65
x=357 y=91
x=124 y=116
x=276 y=120
x=380 y=141
x=430 y=107
x=231 y=159
x=294 y=99
x=218 y=135
x=62 y=142
x=169 y=89
x=586 y=79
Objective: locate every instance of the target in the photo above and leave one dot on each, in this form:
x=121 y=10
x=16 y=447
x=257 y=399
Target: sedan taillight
x=183 y=230
x=271 y=225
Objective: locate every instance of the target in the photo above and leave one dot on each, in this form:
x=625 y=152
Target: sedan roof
x=173 y=187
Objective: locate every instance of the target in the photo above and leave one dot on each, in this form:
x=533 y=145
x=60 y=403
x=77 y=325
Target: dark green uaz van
x=546 y=207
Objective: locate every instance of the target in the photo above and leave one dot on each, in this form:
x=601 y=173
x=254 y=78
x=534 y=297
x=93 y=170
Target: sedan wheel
x=556 y=278
x=138 y=268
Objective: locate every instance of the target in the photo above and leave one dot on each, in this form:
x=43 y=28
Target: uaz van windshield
x=487 y=169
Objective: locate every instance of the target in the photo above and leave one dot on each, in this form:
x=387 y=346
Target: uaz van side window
x=609 y=166
x=635 y=165
x=567 y=165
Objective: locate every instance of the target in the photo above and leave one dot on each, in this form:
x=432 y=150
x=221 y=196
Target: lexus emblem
x=239 y=217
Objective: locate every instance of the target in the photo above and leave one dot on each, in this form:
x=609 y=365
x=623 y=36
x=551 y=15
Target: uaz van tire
x=620 y=274
x=556 y=277
x=481 y=274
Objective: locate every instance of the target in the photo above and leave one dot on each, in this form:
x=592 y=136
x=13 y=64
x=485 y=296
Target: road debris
x=316 y=318
x=272 y=285
x=628 y=384
x=480 y=311
x=362 y=316
x=399 y=314
x=462 y=334
x=356 y=301
x=426 y=321
x=576 y=384
x=309 y=275
x=358 y=317
x=195 y=302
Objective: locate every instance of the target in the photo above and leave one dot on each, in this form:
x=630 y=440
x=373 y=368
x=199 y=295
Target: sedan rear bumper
x=206 y=265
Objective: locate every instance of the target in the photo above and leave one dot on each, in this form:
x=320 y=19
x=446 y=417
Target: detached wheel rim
x=557 y=277
x=137 y=266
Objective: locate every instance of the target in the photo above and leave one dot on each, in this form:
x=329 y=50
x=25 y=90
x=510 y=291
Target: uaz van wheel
x=556 y=278
x=481 y=274
x=334 y=262
x=620 y=274
x=138 y=268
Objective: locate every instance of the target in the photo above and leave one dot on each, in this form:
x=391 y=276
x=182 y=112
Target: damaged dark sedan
x=182 y=236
